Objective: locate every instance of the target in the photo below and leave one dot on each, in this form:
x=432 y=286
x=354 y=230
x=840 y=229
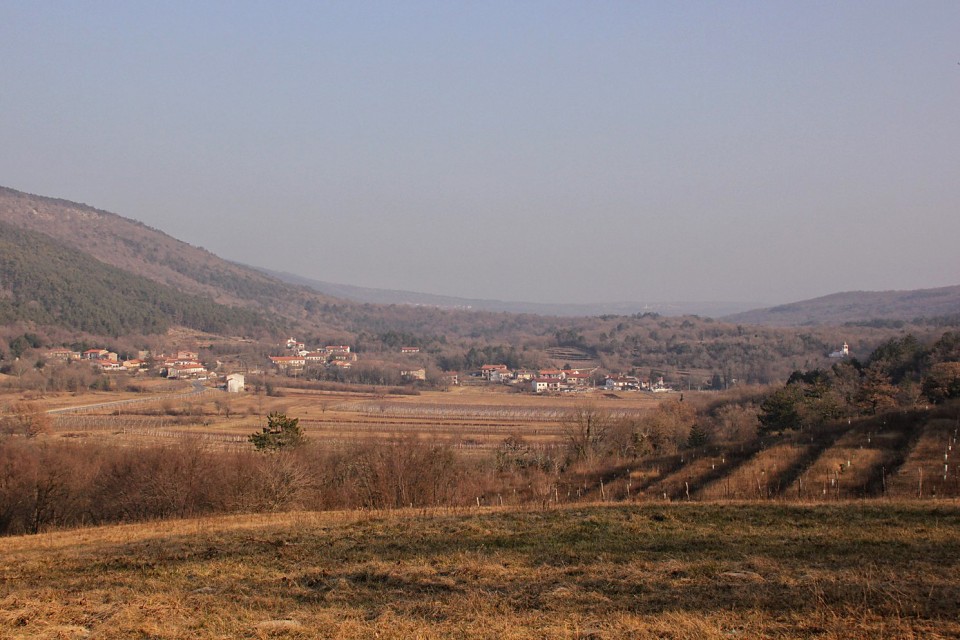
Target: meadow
x=733 y=570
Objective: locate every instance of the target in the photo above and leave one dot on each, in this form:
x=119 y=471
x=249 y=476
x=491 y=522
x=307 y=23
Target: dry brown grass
x=931 y=467
x=847 y=570
x=470 y=418
x=758 y=477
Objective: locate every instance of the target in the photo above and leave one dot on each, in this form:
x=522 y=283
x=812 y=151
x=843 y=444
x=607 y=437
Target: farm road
x=196 y=389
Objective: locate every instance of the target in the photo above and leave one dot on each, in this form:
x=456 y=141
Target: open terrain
x=470 y=418
x=849 y=570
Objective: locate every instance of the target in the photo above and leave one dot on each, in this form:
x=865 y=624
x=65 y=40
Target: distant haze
x=549 y=152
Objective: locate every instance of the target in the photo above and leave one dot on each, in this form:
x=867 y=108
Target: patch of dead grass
x=665 y=571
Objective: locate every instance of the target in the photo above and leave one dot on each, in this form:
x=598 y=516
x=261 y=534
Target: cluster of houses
x=181 y=365
x=102 y=359
x=565 y=380
x=299 y=357
x=539 y=381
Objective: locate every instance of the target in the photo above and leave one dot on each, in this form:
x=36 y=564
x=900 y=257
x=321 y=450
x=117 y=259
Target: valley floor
x=873 y=569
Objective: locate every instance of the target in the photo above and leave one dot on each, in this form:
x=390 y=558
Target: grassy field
x=472 y=418
x=848 y=570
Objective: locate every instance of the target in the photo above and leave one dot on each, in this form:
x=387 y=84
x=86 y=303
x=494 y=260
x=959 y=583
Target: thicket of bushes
x=47 y=484
x=55 y=483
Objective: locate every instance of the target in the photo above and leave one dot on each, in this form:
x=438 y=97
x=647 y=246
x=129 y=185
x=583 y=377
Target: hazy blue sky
x=540 y=151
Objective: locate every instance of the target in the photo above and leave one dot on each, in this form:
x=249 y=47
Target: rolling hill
x=859 y=307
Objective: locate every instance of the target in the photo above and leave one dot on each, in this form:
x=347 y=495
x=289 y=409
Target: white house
x=235 y=383
x=543 y=385
x=621 y=383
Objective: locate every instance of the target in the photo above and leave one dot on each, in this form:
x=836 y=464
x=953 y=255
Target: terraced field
x=901 y=455
x=907 y=455
x=930 y=468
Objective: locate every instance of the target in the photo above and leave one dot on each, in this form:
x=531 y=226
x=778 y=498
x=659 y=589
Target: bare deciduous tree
x=586 y=427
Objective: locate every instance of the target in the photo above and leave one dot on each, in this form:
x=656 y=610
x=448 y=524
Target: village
x=297 y=358
x=539 y=381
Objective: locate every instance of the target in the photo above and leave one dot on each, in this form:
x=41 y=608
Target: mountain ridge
x=133 y=246
x=375 y=295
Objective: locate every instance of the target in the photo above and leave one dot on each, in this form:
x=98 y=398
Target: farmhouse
x=338 y=348
x=660 y=386
x=108 y=365
x=286 y=363
x=621 y=383
x=62 y=354
x=577 y=379
x=414 y=374
x=555 y=374
x=134 y=365
x=235 y=383
x=545 y=385
x=488 y=369
x=409 y=349
x=183 y=370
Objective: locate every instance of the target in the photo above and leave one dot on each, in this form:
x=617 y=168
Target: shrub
x=281 y=432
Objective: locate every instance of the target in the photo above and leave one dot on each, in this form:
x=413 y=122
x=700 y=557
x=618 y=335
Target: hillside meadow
x=733 y=570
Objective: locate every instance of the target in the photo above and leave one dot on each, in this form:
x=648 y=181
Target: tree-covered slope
x=44 y=281
x=134 y=247
x=876 y=307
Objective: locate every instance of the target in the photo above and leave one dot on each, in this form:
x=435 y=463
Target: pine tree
x=281 y=432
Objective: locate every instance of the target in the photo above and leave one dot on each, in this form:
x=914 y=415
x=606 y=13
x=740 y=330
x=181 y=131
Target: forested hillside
x=134 y=247
x=92 y=271
x=47 y=283
x=868 y=308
